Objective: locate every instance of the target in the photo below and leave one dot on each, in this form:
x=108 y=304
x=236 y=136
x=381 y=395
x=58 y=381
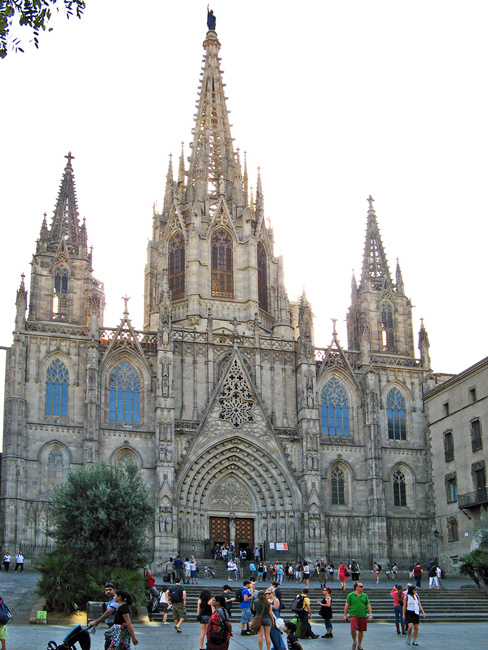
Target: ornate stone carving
x=230 y=496
x=236 y=400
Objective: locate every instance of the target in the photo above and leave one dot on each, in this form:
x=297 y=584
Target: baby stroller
x=209 y=572
x=77 y=635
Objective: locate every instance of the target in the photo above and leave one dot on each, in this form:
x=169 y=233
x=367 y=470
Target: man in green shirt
x=357 y=604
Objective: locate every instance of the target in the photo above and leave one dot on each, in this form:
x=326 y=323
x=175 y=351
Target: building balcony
x=473 y=499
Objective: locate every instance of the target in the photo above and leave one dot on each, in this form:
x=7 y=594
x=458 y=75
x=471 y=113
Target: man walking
x=177 y=600
x=355 y=571
x=357 y=604
x=109 y=613
x=245 y=605
x=178 y=569
x=304 y=614
x=19 y=562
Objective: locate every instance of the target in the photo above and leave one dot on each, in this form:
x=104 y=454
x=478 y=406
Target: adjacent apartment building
x=458 y=416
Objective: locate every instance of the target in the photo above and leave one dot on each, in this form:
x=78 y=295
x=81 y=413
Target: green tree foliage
x=33 y=14
x=475 y=564
x=67 y=585
x=101 y=515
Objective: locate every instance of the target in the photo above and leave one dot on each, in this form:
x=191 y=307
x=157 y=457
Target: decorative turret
x=20 y=305
x=424 y=345
x=380 y=315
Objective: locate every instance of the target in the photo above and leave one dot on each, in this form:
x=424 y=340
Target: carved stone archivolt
x=230 y=496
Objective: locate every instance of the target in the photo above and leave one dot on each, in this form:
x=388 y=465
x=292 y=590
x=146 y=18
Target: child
x=290 y=629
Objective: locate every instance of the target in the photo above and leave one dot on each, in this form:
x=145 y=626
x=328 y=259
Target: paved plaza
x=380 y=636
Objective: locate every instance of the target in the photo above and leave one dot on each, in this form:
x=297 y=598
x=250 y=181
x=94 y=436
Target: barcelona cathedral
x=244 y=429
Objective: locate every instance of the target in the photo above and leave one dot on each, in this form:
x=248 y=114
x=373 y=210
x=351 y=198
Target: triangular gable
x=62 y=255
x=237 y=403
x=175 y=222
x=125 y=338
x=337 y=360
x=222 y=218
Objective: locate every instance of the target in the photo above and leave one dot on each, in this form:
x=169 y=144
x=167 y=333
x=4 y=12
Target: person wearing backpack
x=219 y=628
x=5 y=617
x=301 y=606
x=177 y=600
x=244 y=597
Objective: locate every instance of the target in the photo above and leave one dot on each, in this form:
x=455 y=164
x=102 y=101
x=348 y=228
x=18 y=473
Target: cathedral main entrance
x=224 y=530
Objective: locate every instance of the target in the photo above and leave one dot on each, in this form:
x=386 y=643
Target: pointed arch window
x=337 y=484
x=222 y=264
x=262 y=277
x=176 y=275
x=335 y=409
x=55 y=469
x=399 y=489
x=57 y=378
x=387 y=340
x=124 y=394
x=60 y=292
x=395 y=405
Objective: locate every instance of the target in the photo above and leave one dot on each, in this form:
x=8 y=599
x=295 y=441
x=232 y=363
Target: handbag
x=256 y=622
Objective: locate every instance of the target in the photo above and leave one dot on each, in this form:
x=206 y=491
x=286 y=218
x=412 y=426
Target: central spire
x=375 y=265
x=212 y=162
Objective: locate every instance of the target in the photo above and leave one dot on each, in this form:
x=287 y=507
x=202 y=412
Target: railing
x=472 y=499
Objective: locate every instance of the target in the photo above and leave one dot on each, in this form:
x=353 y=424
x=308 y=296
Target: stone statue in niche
x=165 y=376
x=168 y=523
x=309 y=461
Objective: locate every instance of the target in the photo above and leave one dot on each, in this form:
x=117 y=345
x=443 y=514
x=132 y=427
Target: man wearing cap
x=357 y=604
x=109 y=613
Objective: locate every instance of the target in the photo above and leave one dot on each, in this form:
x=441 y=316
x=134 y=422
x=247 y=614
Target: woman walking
x=343 y=572
x=396 y=592
x=219 y=628
x=275 y=634
x=204 y=612
x=262 y=608
x=193 y=571
x=411 y=613
x=326 y=612
x=122 y=631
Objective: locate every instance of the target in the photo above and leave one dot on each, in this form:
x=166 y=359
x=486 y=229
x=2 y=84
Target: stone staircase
x=459 y=605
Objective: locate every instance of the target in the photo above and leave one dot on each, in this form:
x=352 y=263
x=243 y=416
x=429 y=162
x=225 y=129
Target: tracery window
x=399 y=489
x=55 y=469
x=60 y=292
x=337 y=484
x=125 y=457
x=57 y=377
x=124 y=394
x=262 y=277
x=395 y=404
x=335 y=409
x=387 y=327
x=176 y=274
x=222 y=264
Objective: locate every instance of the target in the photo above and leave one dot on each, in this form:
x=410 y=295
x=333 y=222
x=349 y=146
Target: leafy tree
x=475 y=564
x=101 y=515
x=34 y=14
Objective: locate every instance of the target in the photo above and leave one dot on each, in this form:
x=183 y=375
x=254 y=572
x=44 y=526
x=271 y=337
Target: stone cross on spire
x=70 y=157
x=126 y=308
x=370 y=201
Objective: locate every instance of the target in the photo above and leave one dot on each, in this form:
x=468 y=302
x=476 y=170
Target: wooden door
x=245 y=534
x=219 y=530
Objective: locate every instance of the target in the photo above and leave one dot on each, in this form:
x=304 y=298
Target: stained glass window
x=60 y=292
x=262 y=277
x=387 y=327
x=124 y=394
x=395 y=404
x=222 y=264
x=176 y=273
x=399 y=489
x=337 y=486
x=335 y=409
x=57 y=388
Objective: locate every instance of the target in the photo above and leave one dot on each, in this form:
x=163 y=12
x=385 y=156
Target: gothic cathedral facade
x=244 y=430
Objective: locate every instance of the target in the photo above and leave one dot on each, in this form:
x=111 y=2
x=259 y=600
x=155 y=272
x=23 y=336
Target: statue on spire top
x=211 y=19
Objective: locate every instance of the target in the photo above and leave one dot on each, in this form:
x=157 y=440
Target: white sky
x=333 y=100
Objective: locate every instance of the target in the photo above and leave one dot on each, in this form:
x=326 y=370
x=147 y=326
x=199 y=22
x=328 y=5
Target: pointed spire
x=259 y=198
x=168 y=191
x=212 y=155
x=65 y=223
x=246 y=181
x=424 y=345
x=375 y=265
x=181 y=167
x=21 y=305
x=251 y=207
x=399 y=278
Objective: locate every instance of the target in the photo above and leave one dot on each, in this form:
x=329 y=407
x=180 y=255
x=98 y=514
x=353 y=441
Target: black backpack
x=297 y=604
x=5 y=615
x=239 y=595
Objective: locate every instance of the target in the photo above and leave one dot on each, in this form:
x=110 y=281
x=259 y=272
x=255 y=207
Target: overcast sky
x=333 y=100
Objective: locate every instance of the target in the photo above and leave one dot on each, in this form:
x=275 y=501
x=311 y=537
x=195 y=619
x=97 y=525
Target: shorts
x=3 y=632
x=194 y=574
x=412 y=617
x=179 y=611
x=359 y=623
x=204 y=619
x=246 y=616
x=163 y=607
